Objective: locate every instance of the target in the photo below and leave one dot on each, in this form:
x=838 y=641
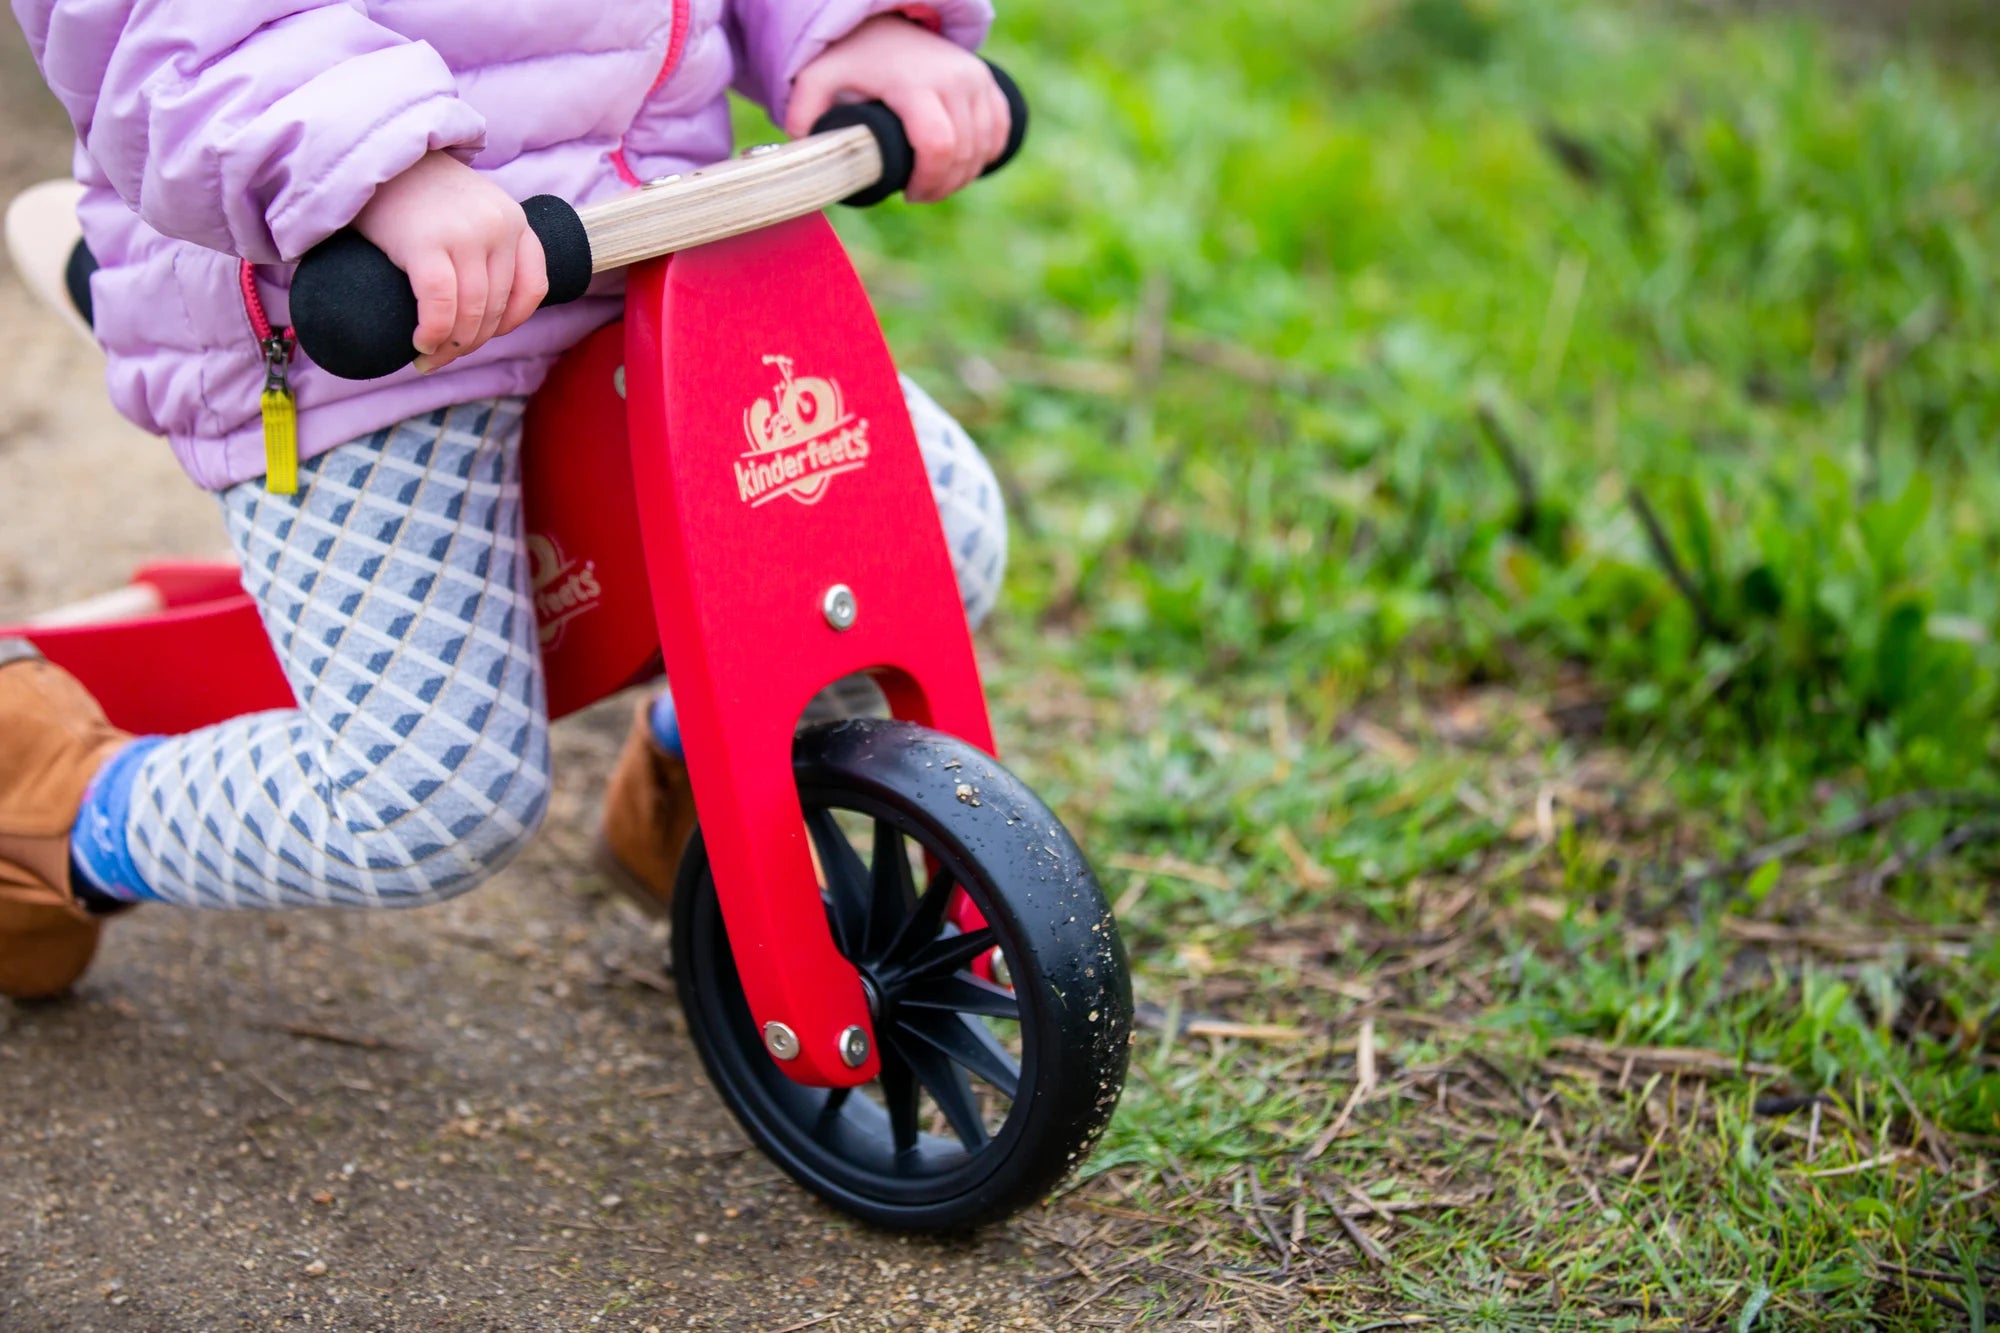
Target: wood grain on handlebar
x=765 y=187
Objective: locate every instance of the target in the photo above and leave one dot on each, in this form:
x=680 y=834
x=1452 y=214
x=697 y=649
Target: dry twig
x=309 y=1032
x=1364 y=1086
x=1370 y=1250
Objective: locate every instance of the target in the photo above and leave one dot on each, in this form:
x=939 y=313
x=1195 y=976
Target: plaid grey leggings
x=395 y=592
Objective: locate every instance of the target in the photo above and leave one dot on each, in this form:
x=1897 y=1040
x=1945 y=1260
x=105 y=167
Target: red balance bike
x=897 y=965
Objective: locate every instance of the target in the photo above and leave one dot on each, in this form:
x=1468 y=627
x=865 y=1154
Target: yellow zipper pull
x=281 y=418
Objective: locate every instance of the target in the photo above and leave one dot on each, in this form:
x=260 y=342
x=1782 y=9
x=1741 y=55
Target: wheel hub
x=878 y=1004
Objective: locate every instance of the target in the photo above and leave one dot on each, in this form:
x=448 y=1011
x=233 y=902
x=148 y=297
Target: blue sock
x=666 y=724
x=99 y=855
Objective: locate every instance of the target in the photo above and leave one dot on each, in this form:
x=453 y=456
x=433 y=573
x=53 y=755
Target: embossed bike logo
x=801 y=438
x=564 y=588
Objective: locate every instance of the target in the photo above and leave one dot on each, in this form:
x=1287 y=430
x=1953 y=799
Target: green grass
x=1485 y=476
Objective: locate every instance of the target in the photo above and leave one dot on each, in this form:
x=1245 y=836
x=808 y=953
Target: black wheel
x=989 y=1095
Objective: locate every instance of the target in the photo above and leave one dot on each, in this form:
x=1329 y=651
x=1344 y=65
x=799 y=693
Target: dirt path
x=485 y=1115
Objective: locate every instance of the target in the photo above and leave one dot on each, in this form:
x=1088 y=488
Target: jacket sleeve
x=775 y=39
x=255 y=127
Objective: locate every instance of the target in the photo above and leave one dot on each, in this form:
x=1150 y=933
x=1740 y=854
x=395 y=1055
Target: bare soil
x=481 y=1116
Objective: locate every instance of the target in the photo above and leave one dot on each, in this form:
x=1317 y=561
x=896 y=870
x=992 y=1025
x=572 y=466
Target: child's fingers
x=812 y=97
x=987 y=120
x=435 y=283
x=985 y=124
x=996 y=120
x=976 y=126
x=964 y=164
x=470 y=274
x=936 y=141
x=471 y=304
x=499 y=288
x=531 y=283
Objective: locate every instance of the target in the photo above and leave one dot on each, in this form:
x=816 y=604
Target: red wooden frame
x=696 y=483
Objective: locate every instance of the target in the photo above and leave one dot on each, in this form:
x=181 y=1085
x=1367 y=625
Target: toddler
x=218 y=143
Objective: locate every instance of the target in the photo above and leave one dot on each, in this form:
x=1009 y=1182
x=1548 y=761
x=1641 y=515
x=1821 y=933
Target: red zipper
x=676 y=47
x=277 y=345
x=280 y=409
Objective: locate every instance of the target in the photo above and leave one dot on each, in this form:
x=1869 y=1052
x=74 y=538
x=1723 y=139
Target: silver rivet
x=839 y=606
x=781 y=1041
x=658 y=181
x=1002 y=974
x=854 y=1048
x=758 y=150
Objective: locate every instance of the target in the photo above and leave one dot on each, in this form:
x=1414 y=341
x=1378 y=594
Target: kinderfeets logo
x=564 y=588
x=801 y=437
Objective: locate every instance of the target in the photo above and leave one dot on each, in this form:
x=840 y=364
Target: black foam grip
x=565 y=244
x=355 y=315
x=76 y=277
x=1017 y=118
x=899 y=160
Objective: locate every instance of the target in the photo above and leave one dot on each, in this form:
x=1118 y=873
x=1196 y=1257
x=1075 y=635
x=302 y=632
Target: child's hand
x=477 y=269
x=954 y=112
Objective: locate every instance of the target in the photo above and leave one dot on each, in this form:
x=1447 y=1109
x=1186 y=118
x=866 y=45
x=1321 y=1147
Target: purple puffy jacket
x=212 y=131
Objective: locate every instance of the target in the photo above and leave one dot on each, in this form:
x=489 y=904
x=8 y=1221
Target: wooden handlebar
x=767 y=185
x=355 y=315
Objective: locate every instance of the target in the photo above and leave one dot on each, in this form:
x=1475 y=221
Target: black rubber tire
x=988 y=833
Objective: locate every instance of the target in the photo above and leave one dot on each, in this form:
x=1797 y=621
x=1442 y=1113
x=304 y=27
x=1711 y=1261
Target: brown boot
x=648 y=818
x=53 y=739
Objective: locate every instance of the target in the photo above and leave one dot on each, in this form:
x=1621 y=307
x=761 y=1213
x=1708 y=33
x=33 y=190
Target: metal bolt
x=854 y=1048
x=781 y=1041
x=839 y=606
x=1002 y=974
x=658 y=181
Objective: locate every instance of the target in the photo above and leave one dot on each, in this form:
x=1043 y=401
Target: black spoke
x=925 y=923
x=946 y=1084
x=962 y=993
x=848 y=888
x=948 y=955
x=894 y=889
x=968 y=1043
x=829 y=1111
x=899 y=1092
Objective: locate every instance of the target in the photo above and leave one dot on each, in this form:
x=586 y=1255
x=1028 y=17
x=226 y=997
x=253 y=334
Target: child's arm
x=255 y=127
x=798 y=57
x=261 y=127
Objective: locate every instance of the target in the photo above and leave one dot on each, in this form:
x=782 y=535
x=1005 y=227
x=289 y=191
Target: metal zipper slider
x=281 y=417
